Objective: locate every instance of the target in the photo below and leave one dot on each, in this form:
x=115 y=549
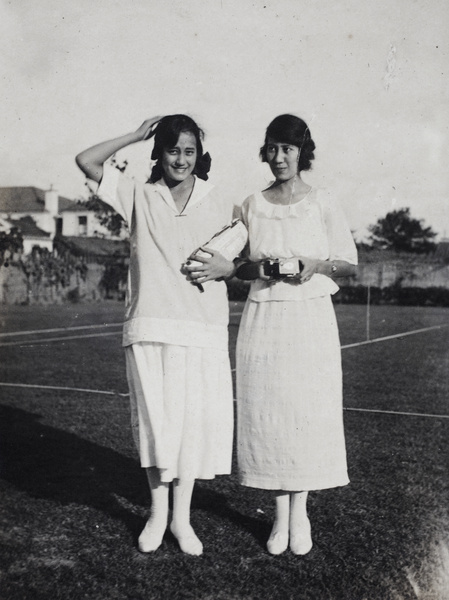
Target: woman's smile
x=179 y=162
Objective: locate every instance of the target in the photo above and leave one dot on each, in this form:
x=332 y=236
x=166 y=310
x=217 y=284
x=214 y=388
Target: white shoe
x=151 y=537
x=277 y=543
x=301 y=538
x=188 y=542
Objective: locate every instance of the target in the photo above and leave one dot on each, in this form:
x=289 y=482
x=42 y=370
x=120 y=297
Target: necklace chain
x=292 y=194
x=293 y=191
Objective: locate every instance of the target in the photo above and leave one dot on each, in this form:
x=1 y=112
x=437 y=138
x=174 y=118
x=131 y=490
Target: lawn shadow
x=54 y=464
x=217 y=503
x=50 y=463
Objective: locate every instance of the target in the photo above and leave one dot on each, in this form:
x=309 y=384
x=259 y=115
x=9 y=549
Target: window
x=82 y=225
x=59 y=226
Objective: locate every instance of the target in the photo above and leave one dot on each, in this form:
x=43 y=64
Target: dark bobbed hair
x=166 y=135
x=290 y=129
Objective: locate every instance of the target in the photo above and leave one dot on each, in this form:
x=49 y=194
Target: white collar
x=200 y=189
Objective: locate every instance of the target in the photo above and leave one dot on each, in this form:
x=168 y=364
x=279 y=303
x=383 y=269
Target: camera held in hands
x=282 y=268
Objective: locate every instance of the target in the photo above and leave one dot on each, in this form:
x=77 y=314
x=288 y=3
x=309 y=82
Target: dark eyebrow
x=280 y=144
x=179 y=148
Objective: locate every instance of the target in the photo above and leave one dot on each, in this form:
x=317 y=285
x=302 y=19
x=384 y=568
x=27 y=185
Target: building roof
x=29 y=228
x=31 y=199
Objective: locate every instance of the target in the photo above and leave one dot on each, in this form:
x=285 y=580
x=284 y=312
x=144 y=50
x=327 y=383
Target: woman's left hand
x=213 y=266
x=310 y=268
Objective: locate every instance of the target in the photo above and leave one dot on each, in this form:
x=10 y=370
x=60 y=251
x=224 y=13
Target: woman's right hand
x=262 y=274
x=147 y=129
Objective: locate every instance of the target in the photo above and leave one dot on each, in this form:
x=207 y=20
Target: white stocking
x=180 y=525
x=151 y=537
x=278 y=540
x=300 y=531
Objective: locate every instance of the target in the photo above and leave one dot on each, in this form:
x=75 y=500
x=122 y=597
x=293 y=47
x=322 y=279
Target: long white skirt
x=181 y=409
x=289 y=396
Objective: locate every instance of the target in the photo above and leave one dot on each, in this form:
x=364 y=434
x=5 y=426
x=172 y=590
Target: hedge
x=402 y=296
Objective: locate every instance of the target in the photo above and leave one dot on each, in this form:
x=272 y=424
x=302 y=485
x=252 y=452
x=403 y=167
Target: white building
x=51 y=213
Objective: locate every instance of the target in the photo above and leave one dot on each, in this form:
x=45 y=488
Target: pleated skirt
x=181 y=409
x=289 y=396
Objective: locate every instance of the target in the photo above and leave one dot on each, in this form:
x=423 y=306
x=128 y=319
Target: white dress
x=289 y=379
x=175 y=337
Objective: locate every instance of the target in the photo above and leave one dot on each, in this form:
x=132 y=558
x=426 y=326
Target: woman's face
x=283 y=159
x=179 y=162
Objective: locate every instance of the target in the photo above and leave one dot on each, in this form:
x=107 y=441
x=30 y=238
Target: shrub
x=407 y=296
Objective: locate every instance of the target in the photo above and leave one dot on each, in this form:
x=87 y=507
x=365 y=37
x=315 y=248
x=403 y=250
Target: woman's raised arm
x=91 y=161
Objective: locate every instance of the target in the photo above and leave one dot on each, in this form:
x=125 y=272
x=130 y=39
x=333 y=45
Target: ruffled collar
x=265 y=209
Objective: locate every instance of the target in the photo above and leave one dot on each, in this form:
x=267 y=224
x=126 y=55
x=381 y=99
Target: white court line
x=66 y=337
x=90 y=335
x=393 y=412
x=77 y=328
x=381 y=339
x=396 y=335
x=38 y=342
x=36 y=331
x=63 y=338
x=57 y=387
x=108 y=393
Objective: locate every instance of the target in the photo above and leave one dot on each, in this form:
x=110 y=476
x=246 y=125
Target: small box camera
x=281 y=268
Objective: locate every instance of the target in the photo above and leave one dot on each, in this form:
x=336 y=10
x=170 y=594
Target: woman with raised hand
x=175 y=337
x=289 y=378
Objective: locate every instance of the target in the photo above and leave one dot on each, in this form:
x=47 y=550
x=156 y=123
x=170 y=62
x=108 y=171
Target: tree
x=400 y=232
x=50 y=270
x=10 y=242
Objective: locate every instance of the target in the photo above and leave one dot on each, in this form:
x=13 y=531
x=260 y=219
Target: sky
x=370 y=79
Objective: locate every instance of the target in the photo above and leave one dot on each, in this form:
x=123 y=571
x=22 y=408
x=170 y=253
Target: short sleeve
x=341 y=242
x=236 y=211
x=118 y=191
x=241 y=212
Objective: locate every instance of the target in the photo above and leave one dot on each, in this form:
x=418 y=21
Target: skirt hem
x=169 y=477
x=292 y=486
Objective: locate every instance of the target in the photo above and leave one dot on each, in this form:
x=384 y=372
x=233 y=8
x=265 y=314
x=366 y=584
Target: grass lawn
x=74 y=499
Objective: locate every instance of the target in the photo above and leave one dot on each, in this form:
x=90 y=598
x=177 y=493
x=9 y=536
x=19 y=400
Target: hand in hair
x=148 y=129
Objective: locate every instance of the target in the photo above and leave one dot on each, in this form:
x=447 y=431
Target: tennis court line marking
x=396 y=335
x=90 y=335
x=58 y=387
x=38 y=342
x=77 y=328
x=56 y=329
x=394 y=412
x=63 y=338
x=108 y=393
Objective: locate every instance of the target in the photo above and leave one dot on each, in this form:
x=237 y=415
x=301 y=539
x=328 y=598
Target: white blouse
x=315 y=227
x=161 y=305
